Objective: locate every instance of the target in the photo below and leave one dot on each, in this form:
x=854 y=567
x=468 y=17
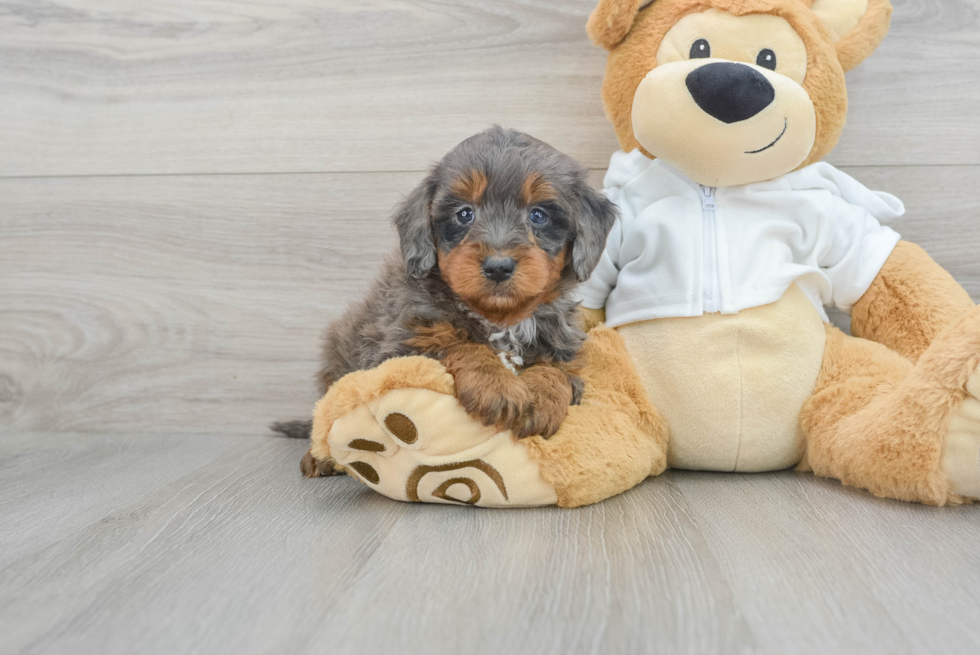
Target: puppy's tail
x=293 y=429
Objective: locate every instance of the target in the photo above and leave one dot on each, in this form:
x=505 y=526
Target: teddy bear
x=709 y=346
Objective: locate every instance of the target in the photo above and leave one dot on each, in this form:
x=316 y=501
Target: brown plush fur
x=611 y=21
x=636 y=55
x=879 y=422
x=613 y=439
x=910 y=302
x=593 y=317
x=858 y=44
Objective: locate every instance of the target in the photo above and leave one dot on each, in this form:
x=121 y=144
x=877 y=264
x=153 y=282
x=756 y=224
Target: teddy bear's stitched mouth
x=785 y=126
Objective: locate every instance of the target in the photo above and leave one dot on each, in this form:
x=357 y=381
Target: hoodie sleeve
x=594 y=291
x=860 y=247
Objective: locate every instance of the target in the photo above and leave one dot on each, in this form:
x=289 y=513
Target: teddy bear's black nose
x=730 y=92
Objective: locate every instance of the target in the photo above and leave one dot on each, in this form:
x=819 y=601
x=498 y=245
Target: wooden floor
x=191 y=189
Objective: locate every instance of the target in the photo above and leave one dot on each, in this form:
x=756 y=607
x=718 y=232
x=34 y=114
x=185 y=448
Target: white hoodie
x=682 y=249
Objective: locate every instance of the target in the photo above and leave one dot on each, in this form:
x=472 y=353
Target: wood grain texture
x=191 y=190
x=236 y=553
x=209 y=86
x=195 y=304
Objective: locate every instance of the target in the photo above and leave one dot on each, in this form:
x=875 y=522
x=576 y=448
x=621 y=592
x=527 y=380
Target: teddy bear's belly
x=731 y=386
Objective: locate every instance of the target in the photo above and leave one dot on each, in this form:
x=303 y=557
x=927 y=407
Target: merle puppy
x=492 y=242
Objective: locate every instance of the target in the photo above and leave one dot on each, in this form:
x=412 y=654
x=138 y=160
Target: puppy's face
x=502 y=240
x=509 y=223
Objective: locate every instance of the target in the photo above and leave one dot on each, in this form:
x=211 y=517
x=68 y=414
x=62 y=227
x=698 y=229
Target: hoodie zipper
x=709 y=239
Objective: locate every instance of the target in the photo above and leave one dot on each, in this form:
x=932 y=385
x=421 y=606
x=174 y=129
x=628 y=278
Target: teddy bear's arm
x=593 y=317
x=911 y=300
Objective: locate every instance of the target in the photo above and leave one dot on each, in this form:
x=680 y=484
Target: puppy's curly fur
x=492 y=242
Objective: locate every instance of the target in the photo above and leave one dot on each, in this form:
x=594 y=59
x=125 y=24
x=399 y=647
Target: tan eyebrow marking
x=537 y=189
x=470 y=186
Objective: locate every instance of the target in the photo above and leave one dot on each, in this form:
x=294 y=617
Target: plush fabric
x=613 y=440
x=731 y=386
x=668 y=256
x=758 y=386
x=398 y=429
x=910 y=302
x=879 y=422
x=864 y=38
x=631 y=59
x=361 y=387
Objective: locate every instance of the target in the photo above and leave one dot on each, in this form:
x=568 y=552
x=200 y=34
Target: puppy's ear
x=413 y=220
x=592 y=224
x=611 y=21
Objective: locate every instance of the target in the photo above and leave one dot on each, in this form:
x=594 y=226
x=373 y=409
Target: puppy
x=492 y=242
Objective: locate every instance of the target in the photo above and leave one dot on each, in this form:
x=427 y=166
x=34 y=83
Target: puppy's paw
x=543 y=420
x=312 y=468
x=500 y=400
x=551 y=394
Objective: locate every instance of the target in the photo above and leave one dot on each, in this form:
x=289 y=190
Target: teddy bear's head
x=733 y=91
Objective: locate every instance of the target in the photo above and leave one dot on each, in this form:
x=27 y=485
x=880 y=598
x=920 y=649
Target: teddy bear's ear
x=857 y=26
x=611 y=21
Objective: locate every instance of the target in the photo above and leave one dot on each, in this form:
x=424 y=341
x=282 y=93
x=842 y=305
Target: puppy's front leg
x=551 y=392
x=485 y=388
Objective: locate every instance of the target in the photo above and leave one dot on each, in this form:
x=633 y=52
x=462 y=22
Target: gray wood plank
x=238 y=554
x=172 y=303
x=195 y=304
x=54 y=485
x=855 y=560
x=209 y=86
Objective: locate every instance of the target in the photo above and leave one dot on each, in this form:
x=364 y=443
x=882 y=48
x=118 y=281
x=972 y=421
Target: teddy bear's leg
x=900 y=430
x=400 y=430
x=610 y=442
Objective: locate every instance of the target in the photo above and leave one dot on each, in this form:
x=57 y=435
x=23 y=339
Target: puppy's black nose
x=730 y=92
x=498 y=269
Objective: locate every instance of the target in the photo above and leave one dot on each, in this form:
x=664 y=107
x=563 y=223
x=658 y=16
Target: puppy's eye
x=701 y=49
x=766 y=59
x=538 y=217
x=465 y=216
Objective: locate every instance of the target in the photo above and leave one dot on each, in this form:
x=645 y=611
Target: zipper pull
x=707 y=197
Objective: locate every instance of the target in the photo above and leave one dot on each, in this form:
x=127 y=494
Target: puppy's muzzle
x=730 y=92
x=498 y=269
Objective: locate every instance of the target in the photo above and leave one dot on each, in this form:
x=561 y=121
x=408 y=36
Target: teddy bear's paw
x=962 y=453
x=419 y=445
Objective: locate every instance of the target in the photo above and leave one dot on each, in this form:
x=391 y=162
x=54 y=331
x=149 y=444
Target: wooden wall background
x=191 y=190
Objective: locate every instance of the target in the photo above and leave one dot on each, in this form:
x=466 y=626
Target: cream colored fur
x=609 y=443
x=731 y=386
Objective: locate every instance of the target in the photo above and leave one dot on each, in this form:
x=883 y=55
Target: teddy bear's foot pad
x=419 y=445
x=962 y=453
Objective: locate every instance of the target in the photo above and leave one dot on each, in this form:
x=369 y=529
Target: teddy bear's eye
x=701 y=49
x=766 y=59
